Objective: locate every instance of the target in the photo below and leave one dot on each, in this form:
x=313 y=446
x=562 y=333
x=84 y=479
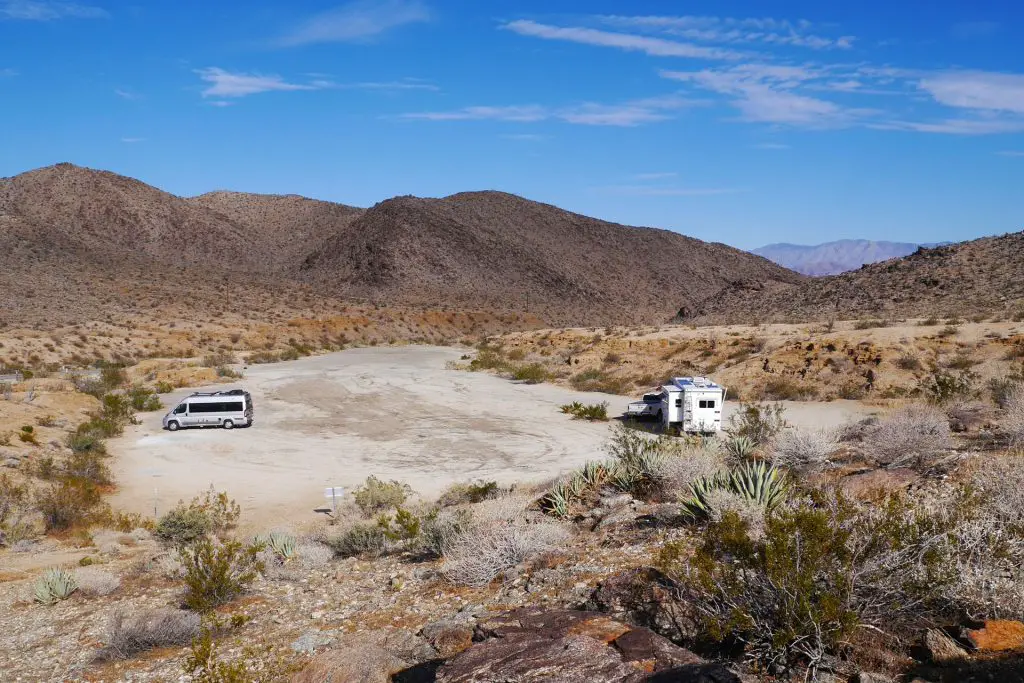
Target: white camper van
x=692 y=405
x=227 y=409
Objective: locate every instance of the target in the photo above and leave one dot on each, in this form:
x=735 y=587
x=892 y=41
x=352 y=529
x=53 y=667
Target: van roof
x=690 y=383
x=204 y=398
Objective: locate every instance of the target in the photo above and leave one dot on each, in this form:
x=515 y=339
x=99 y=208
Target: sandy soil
x=397 y=413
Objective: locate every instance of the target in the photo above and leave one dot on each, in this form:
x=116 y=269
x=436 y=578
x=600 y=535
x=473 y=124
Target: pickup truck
x=647 y=407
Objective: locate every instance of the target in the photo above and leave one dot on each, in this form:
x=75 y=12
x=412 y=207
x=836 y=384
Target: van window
x=225 y=407
x=178 y=410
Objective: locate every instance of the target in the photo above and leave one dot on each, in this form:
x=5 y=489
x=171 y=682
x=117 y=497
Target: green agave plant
x=741 y=447
x=282 y=544
x=757 y=482
x=54 y=585
x=556 y=502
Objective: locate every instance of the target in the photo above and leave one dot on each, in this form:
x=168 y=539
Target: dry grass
x=913 y=436
x=803 y=449
x=96 y=582
x=129 y=635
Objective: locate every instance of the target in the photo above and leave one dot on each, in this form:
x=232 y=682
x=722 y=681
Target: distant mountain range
x=832 y=258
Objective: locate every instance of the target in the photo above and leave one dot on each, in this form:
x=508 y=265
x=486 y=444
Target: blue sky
x=740 y=122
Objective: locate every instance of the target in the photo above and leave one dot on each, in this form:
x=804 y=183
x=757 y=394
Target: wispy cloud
x=525 y=137
x=658 y=47
x=43 y=10
x=727 y=30
x=8 y=73
x=977 y=90
x=656 y=176
x=227 y=84
x=219 y=103
x=126 y=94
x=957 y=126
x=651 y=191
x=627 y=114
x=388 y=85
x=132 y=141
x=767 y=93
x=357 y=21
x=1011 y=153
x=771 y=145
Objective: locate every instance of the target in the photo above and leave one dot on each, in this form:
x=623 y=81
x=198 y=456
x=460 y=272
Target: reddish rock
x=997 y=636
x=651 y=652
x=646 y=597
x=878 y=483
x=363 y=663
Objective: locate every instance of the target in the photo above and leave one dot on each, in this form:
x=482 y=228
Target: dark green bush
x=359 y=539
x=580 y=411
x=472 y=492
x=216 y=574
x=143 y=399
x=67 y=503
x=183 y=525
x=759 y=422
x=534 y=373
x=377 y=496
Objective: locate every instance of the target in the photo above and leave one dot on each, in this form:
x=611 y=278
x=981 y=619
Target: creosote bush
x=362 y=538
x=594 y=412
x=803 y=449
x=211 y=512
x=759 y=422
x=470 y=492
x=217 y=573
x=376 y=496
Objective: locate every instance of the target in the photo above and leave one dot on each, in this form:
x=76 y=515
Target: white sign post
x=333 y=493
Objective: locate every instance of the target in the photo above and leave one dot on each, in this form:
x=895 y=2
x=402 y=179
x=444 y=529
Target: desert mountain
x=65 y=228
x=983 y=276
x=496 y=250
x=832 y=258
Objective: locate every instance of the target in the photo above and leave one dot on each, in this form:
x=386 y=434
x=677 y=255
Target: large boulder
x=997 y=635
x=536 y=644
x=372 y=657
x=647 y=597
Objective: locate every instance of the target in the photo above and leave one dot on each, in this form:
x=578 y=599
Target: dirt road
x=396 y=413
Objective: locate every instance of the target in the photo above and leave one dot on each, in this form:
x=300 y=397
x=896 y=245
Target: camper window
x=707 y=404
x=180 y=409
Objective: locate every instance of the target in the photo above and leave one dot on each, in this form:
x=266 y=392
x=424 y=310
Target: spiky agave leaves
x=54 y=585
x=741 y=447
x=282 y=544
x=758 y=483
x=556 y=501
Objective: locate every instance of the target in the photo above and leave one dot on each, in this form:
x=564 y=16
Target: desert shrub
x=908 y=361
x=17 y=519
x=441 y=528
x=611 y=358
x=93 y=581
x=740 y=447
x=87 y=466
x=362 y=538
x=786 y=389
x=377 y=496
x=499 y=538
x=470 y=492
x=1012 y=419
x=293 y=353
x=163 y=387
x=1002 y=390
x=914 y=436
x=870 y=324
x=255 y=663
x=311 y=555
x=803 y=449
x=596 y=380
x=517 y=354
x=489 y=359
x=67 y=503
x=401 y=527
x=28 y=435
x=54 y=585
x=534 y=373
x=593 y=412
x=948 y=331
x=210 y=512
x=129 y=635
x=217 y=573
x=219 y=358
x=83 y=440
x=143 y=399
x=227 y=373
x=759 y=422
x=689 y=464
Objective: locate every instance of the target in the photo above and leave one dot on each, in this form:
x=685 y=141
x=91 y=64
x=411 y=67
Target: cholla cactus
x=54 y=585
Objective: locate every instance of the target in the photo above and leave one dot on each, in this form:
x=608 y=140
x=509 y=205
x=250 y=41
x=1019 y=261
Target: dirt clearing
x=397 y=413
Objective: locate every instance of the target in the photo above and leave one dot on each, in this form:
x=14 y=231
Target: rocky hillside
x=832 y=258
x=491 y=249
x=65 y=227
x=969 y=278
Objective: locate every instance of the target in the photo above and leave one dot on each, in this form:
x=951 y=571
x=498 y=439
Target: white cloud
x=655 y=176
x=126 y=94
x=132 y=141
x=727 y=30
x=771 y=145
x=1010 y=153
x=226 y=84
x=43 y=10
x=525 y=137
x=957 y=126
x=977 y=90
x=657 y=47
x=627 y=114
x=387 y=85
x=362 y=20
x=8 y=73
x=219 y=103
x=649 y=191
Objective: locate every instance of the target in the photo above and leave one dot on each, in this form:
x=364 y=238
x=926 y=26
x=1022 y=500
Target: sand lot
x=397 y=413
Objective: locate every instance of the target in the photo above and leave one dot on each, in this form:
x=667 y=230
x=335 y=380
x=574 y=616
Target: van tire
x=228 y=424
x=173 y=426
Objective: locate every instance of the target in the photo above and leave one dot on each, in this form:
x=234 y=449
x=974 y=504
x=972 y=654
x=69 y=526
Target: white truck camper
x=689 y=404
x=227 y=409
